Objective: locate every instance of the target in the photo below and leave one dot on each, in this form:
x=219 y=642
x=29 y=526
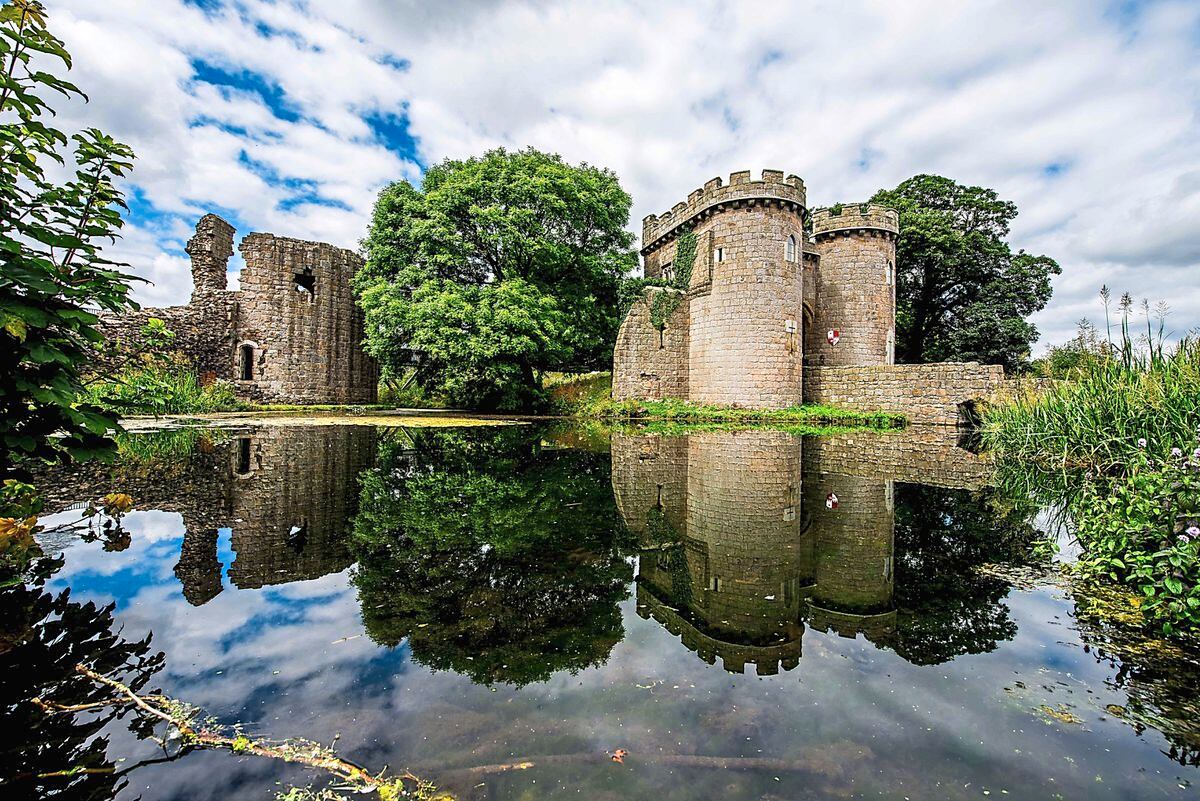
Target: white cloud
x=1083 y=114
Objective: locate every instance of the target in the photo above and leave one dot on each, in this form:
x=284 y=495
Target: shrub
x=1142 y=528
x=160 y=386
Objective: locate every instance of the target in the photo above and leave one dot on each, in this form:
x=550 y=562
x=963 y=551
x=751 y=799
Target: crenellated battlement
x=855 y=217
x=734 y=656
x=773 y=187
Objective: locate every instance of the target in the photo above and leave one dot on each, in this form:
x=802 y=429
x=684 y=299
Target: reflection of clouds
x=151 y=555
x=288 y=660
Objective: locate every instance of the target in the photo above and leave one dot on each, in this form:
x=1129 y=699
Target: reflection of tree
x=495 y=557
x=945 y=607
x=42 y=638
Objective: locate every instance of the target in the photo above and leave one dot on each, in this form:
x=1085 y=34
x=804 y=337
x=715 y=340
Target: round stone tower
x=744 y=337
x=854 y=321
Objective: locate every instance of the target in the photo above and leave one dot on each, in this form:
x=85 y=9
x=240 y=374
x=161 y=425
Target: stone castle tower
x=763 y=301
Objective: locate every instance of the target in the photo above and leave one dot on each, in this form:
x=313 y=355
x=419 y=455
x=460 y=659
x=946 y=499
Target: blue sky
x=288 y=116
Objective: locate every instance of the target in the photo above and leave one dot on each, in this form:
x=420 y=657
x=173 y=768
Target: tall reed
x=1112 y=406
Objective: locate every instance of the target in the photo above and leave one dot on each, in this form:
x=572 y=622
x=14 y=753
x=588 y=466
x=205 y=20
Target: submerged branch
x=183 y=717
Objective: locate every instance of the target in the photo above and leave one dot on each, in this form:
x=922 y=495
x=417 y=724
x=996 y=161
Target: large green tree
x=53 y=276
x=962 y=294
x=495 y=270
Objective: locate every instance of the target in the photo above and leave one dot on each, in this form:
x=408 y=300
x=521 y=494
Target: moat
x=748 y=614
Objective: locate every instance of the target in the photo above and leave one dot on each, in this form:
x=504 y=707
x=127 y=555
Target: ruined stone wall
x=856 y=292
x=295 y=310
x=298 y=312
x=204 y=333
x=648 y=363
x=927 y=394
x=210 y=249
x=291 y=523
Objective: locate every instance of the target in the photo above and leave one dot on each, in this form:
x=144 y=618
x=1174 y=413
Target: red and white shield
x=831 y=501
x=833 y=335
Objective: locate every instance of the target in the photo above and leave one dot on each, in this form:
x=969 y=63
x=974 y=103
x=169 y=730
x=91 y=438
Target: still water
x=750 y=615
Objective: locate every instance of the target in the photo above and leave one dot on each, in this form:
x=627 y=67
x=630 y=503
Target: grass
x=810 y=415
x=673 y=428
x=1101 y=415
x=589 y=396
x=158 y=388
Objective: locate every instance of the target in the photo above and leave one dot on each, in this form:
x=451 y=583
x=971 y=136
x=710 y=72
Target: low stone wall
x=921 y=455
x=927 y=394
x=203 y=334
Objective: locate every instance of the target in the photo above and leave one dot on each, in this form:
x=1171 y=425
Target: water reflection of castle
x=749 y=535
x=288 y=494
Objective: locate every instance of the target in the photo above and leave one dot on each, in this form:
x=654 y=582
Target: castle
x=292 y=332
x=767 y=316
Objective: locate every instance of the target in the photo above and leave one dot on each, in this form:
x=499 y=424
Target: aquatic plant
x=1142 y=527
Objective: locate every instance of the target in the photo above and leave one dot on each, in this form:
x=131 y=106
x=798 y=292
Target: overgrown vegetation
x=1124 y=421
x=146 y=375
x=1113 y=397
x=54 y=276
x=158 y=385
x=680 y=411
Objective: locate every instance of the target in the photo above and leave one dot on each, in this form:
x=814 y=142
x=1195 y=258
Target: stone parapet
x=855 y=217
x=926 y=394
x=918 y=455
x=773 y=188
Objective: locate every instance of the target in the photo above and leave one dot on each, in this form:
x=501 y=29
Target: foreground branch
x=184 y=718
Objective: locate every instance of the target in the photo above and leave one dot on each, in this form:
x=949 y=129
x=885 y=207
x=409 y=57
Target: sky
x=288 y=116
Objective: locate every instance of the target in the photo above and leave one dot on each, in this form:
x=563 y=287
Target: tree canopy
x=497 y=269
x=962 y=294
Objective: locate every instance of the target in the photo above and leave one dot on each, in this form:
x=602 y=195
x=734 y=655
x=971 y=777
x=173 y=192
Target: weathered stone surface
x=763 y=301
x=927 y=394
x=294 y=317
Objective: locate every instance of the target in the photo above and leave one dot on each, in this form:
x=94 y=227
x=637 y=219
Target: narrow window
x=714 y=584
x=891 y=273
x=247 y=362
x=243 y=460
x=891 y=346
x=719 y=255
x=789 y=252
x=668 y=272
